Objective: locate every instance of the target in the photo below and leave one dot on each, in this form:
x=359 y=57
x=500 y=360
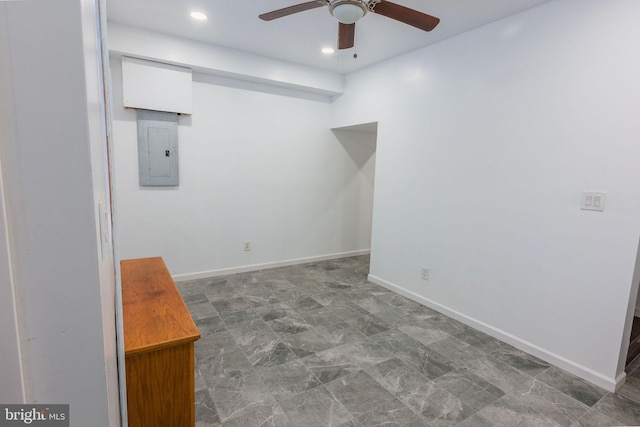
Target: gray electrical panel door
x=158 y=148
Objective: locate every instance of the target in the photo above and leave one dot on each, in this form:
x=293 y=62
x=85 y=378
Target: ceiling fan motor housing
x=348 y=11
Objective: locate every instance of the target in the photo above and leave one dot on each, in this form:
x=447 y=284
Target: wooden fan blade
x=269 y=16
x=408 y=16
x=346 y=35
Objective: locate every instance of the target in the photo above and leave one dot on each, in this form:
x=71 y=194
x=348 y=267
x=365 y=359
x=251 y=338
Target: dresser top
x=154 y=314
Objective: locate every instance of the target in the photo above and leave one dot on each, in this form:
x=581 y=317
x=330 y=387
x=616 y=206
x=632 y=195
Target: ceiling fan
x=347 y=12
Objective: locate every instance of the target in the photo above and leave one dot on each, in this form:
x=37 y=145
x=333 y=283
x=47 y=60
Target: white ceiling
x=299 y=38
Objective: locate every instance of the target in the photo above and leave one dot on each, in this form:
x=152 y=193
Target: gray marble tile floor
x=319 y=345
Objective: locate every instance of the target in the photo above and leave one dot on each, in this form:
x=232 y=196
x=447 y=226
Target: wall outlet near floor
x=247 y=246
x=425 y=273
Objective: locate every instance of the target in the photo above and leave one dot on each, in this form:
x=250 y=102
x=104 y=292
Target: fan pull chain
x=355 y=45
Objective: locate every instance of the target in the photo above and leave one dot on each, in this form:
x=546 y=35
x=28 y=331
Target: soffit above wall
x=220 y=61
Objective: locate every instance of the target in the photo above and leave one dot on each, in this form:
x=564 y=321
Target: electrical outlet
x=425 y=273
x=247 y=246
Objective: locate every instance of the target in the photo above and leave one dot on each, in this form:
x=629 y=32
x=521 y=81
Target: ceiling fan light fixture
x=348 y=11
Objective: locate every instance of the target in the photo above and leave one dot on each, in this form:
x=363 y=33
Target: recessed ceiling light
x=199 y=16
x=328 y=50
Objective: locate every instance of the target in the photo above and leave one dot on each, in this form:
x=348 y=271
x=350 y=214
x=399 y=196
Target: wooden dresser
x=159 y=336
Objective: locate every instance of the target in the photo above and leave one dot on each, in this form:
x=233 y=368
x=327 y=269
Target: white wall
x=53 y=160
x=485 y=143
x=11 y=375
x=257 y=164
x=12 y=390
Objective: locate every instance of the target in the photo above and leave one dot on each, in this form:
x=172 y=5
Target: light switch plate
x=104 y=228
x=593 y=201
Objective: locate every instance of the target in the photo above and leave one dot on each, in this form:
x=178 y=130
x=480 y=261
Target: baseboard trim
x=266 y=266
x=620 y=380
x=609 y=384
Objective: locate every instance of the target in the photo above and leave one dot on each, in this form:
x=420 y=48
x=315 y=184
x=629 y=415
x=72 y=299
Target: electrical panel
x=158 y=148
